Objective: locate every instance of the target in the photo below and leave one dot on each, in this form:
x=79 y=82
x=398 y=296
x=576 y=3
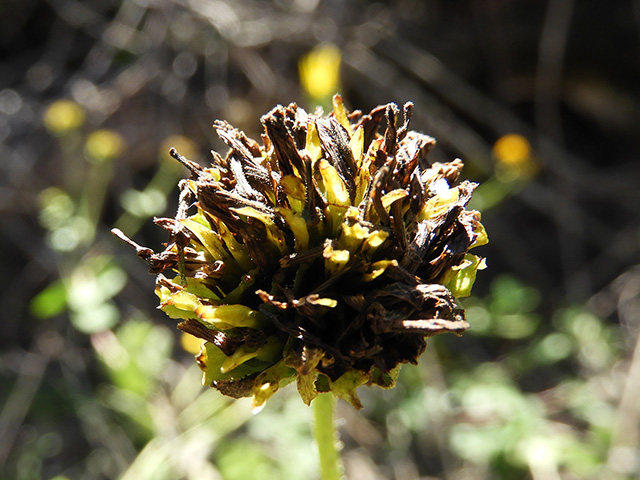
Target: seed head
x=327 y=255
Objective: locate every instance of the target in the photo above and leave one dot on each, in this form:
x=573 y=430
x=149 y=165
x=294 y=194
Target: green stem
x=326 y=437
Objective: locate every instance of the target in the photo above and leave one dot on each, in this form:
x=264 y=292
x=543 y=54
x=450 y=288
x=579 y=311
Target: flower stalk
x=327 y=437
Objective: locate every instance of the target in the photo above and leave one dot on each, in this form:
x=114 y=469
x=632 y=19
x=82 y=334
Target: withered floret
x=327 y=255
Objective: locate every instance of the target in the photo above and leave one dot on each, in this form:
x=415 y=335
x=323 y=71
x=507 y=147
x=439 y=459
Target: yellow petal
x=237 y=250
x=464 y=275
x=357 y=145
x=394 y=195
x=439 y=204
x=335 y=189
x=482 y=237
x=209 y=239
x=295 y=190
x=335 y=260
x=298 y=226
x=324 y=302
x=313 y=145
x=376 y=239
x=378 y=268
x=352 y=236
x=341 y=113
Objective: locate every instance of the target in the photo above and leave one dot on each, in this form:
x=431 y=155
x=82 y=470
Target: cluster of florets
x=327 y=255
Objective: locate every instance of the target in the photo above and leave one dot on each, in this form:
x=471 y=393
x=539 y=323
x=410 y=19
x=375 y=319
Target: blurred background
x=540 y=99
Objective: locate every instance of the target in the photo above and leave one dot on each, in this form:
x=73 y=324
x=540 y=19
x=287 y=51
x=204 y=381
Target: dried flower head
x=327 y=255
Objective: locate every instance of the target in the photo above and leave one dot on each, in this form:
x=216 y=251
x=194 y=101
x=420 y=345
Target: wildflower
x=326 y=256
x=514 y=159
x=104 y=145
x=319 y=72
x=63 y=116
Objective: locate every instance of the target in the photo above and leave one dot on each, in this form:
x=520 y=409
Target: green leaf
x=94 y=282
x=211 y=360
x=224 y=317
x=267 y=353
x=268 y=382
x=180 y=304
x=96 y=319
x=511 y=296
x=307 y=386
x=200 y=289
x=215 y=364
x=49 y=302
x=242 y=459
x=386 y=380
x=345 y=386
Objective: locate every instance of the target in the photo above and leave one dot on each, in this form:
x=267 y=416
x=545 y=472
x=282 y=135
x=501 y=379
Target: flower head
x=326 y=256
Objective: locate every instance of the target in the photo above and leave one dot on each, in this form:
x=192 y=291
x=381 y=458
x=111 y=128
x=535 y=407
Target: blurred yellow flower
x=104 y=145
x=512 y=148
x=320 y=72
x=514 y=158
x=63 y=116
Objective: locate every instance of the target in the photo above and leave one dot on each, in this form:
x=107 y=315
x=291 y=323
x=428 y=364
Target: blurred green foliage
x=94 y=385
